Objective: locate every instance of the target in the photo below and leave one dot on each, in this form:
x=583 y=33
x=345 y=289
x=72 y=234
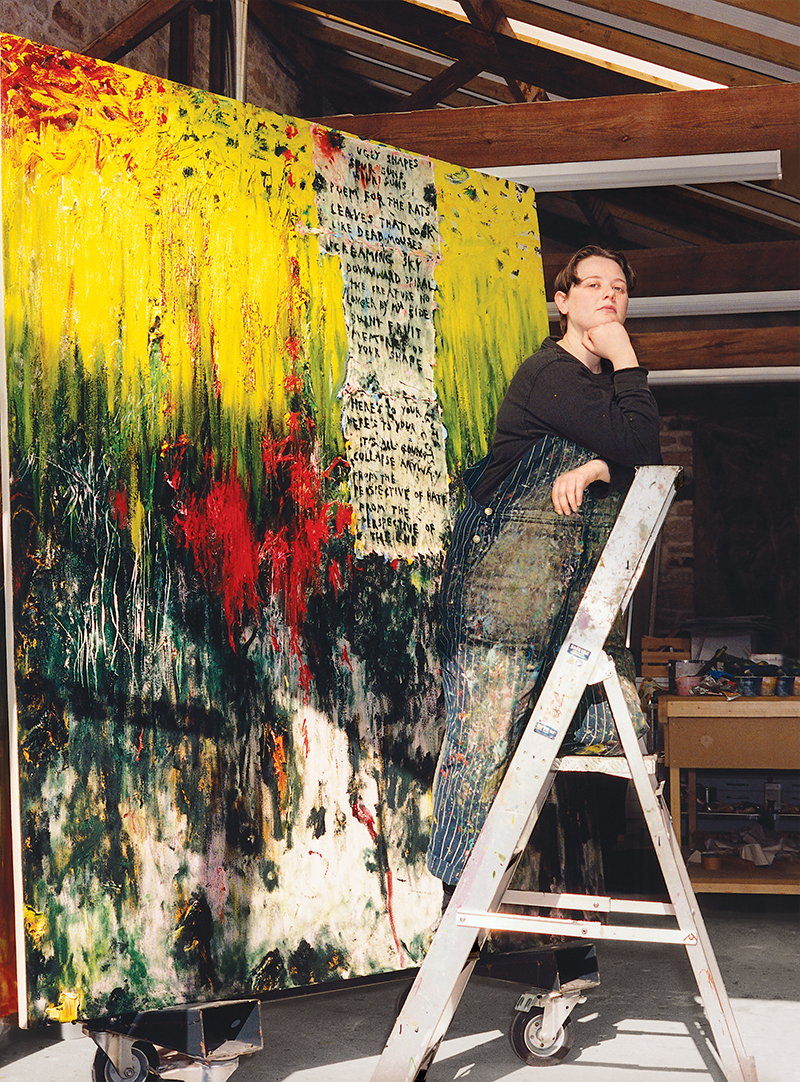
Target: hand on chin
x=604 y=335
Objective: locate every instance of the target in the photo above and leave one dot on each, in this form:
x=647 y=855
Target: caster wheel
x=103 y=1070
x=524 y=1037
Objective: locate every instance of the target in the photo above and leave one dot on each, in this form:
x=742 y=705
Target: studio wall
x=247 y=359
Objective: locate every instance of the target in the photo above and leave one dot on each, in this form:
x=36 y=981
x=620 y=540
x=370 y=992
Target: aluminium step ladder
x=474 y=907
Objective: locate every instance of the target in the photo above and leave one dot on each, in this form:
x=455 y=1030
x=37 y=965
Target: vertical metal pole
x=239 y=48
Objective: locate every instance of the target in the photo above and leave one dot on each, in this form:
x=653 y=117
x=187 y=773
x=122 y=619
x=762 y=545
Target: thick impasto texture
x=247 y=359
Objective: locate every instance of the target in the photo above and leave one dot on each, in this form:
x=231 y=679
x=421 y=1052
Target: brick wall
x=675 y=590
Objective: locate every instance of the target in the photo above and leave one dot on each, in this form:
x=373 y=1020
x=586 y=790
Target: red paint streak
x=217 y=531
x=294 y=547
x=306 y=747
x=43 y=86
x=287 y=556
x=335 y=577
x=327 y=142
x=304 y=675
x=346 y=658
x=293 y=384
x=363 y=815
x=119 y=508
x=279 y=762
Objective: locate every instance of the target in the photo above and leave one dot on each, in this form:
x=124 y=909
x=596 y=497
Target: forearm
x=622 y=428
x=568 y=488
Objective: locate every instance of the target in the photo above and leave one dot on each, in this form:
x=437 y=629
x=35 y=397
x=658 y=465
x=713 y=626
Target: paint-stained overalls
x=514 y=575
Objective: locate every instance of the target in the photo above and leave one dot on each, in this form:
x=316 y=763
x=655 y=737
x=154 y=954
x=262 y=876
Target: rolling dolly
x=474 y=909
x=199 y=1043
x=558 y=977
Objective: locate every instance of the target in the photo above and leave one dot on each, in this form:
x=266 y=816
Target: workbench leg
x=675 y=800
x=691 y=801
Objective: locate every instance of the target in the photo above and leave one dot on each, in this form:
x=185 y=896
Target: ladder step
x=587 y=902
x=615 y=765
x=577 y=929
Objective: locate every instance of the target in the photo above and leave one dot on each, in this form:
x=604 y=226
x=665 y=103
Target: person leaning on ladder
x=577 y=418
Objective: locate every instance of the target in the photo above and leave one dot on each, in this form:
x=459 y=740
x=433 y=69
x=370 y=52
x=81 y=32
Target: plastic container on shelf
x=687 y=676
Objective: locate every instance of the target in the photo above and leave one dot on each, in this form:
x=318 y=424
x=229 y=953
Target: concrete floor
x=644 y=1023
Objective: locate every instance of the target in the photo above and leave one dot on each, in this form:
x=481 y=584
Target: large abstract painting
x=247 y=359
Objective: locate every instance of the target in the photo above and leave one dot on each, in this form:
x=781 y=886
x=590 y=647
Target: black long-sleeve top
x=612 y=414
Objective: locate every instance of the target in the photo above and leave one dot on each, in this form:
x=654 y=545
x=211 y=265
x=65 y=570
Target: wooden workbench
x=706 y=732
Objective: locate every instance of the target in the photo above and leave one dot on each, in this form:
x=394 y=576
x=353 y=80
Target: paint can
x=784 y=685
x=749 y=685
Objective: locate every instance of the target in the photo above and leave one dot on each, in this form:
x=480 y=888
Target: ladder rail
x=427 y=1013
x=738 y=1066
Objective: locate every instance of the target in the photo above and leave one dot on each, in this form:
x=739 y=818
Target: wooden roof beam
x=651 y=49
x=489 y=16
x=760 y=347
x=141 y=24
x=499 y=54
x=708 y=31
x=442 y=85
x=593 y=129
x=712 y=268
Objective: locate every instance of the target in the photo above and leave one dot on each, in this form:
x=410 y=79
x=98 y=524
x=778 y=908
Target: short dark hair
x=568 y=277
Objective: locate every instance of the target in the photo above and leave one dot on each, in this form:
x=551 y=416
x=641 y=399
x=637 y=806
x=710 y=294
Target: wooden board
x=737 y=876
x=594 y=129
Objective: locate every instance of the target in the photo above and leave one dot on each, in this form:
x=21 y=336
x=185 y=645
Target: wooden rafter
x=786 y=11
x=340 y=50
x=695 y=216
x=713 y=268
x=703 y=29
x=499 y=54
x=398 y=84
x=442 y=85
x=141 y=24
x=672 y=351
x=489 y=16
x=654 y=51
x=595 y=129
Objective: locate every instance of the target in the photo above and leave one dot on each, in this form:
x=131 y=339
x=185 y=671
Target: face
x=601 y=295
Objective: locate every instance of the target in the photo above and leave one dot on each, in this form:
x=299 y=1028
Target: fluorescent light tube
x=644 y=172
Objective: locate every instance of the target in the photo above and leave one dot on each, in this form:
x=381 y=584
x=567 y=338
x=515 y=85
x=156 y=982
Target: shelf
x=706 y=733
x=737 y=876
